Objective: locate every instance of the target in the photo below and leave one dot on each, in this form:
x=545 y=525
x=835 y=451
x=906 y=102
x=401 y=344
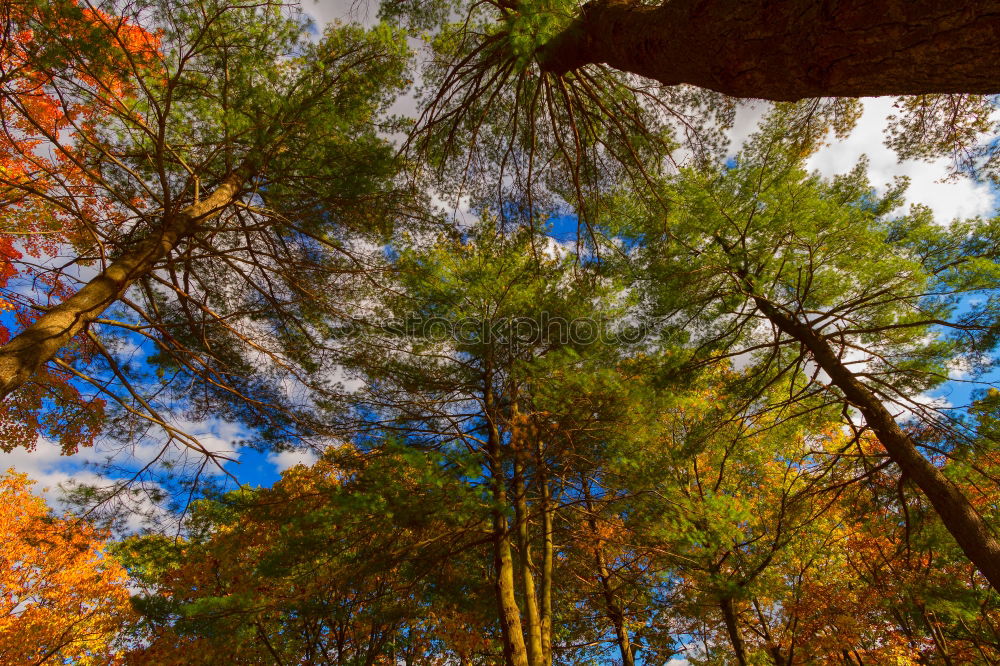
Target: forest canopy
x=517 y=332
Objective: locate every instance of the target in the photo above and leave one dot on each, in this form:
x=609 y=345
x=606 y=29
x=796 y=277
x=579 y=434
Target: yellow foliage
x=62 y=598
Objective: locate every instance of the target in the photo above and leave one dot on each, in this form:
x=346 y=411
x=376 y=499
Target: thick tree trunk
x=973 y=535
x=510 y=616
x=38 y=343
x=785 y=50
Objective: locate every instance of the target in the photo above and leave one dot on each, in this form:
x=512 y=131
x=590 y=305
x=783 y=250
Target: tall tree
x=780 y=51
x=48 y=202
x=701 y=58
x=226 y=175
x=868 y=300
x=473 y=312
x=336 y=563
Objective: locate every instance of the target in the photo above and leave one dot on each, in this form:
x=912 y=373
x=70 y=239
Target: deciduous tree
x=63 y=598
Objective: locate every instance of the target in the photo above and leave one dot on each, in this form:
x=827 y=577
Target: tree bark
x=786 y=50
x=515 y=653
x=22 y=357
x=733 y=629
x=510 y=617
x=973 y=535
x=615 y=613
x=535 y=653
x=547 y=547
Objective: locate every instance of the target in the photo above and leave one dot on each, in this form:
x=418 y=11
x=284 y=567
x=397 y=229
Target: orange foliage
x=62 y=598
x=63 y=70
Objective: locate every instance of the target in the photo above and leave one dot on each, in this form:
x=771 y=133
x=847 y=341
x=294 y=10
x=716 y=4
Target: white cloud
x=949 y=200
x=46 y=465
x=958 y=198
x=748 y=117
x=921 y=402
x=364 y=12
x=959 y=367
x=283 y=460
x=217 y=437
x=52 y=471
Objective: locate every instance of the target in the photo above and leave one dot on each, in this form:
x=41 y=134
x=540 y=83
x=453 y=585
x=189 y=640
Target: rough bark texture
x=785 y=50
x=37 y=344
x=960 y=518
x=510 y=618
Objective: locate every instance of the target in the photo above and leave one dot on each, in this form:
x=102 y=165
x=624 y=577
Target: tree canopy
x=579 y=374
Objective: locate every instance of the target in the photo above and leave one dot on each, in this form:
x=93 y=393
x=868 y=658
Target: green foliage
x=831 y=250
x=534 y=23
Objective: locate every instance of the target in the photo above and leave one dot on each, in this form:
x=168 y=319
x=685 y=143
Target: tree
x=48 y=202
x=843 y=288
x=62 y=596
x=454 y=372
x=647 y=500
x=350 y=560
x=766 y=537
x=694 y=501
x=779 y=51
x=224 y=176
x=701 y=58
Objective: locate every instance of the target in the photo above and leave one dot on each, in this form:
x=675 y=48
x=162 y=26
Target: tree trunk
x=615 y=613
x=514 y=650
x=21 y=358
x=971 y=532
x=733 y=629
x=535 y=654
x=546 y=600
x=785 y=50
x=510 y=617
